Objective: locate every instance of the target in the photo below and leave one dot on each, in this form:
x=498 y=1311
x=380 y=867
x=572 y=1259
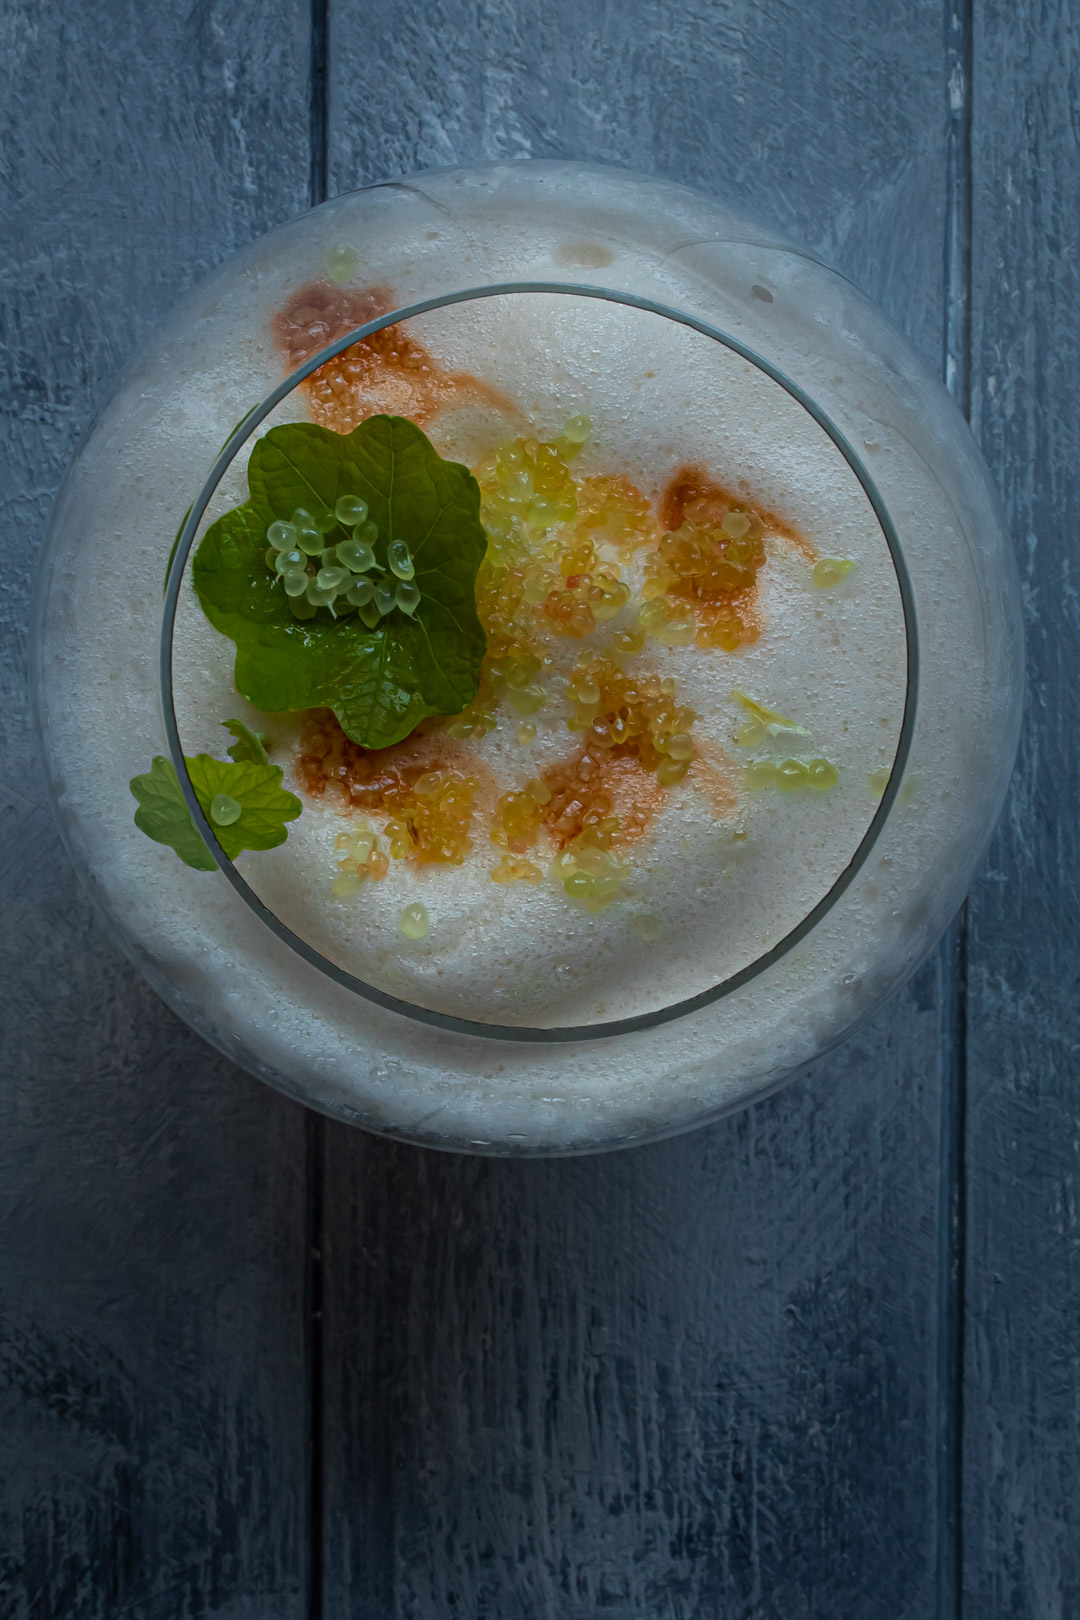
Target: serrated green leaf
x=380 y=683
x=249 y=745
x=265 y=806
x=163 y=816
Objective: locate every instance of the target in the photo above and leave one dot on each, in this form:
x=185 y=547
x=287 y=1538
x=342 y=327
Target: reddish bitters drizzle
x=391 y=371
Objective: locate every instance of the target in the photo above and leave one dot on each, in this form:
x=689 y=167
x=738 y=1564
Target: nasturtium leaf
x=249 y=745
x=265 y=806
x=379 y=682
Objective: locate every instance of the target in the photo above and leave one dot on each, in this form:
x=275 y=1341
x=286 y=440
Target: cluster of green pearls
x=341 y=577
x=789 y=774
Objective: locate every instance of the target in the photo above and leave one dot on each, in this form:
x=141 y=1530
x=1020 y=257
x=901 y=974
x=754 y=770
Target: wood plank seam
x=959 y=33
x=318 y=137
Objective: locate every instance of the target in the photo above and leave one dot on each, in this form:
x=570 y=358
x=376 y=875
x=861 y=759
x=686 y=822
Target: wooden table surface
x=818 y=1362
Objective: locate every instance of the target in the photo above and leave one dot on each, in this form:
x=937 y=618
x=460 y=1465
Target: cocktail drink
x=593 y=662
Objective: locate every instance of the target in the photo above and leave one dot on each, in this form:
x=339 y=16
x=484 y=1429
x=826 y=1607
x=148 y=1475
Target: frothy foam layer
x=141 y=468
x=711 y=888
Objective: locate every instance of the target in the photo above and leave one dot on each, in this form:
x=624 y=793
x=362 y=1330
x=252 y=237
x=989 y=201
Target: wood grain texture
x=1022 y=1401
x=829 y=122
x=699 y=1380
x=153 y=1445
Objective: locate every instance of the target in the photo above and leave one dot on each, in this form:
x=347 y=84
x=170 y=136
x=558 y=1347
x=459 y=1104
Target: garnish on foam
x=762 y=723
x=242 y=799
x=365 y=601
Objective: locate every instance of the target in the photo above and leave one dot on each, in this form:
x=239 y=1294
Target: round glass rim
x=556 y=1034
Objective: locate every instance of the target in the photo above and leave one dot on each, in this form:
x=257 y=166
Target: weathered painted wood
x=153 y=1445
x=1021 y=1418
x=698 y=1380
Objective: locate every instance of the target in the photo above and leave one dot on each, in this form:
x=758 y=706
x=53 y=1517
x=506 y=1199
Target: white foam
x=519 y=954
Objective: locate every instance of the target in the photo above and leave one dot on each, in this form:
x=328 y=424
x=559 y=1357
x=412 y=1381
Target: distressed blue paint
x=710 y=1380
x=152 y=1349
x=701 y=1379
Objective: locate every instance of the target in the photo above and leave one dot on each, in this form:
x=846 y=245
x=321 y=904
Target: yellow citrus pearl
x=628 y=642
x=577 y=429
x=791 y=773
x=750 y=733
x=760 y=774
x=347 y=884
x=878 y=782
x=831 y=571
x=341 y=262
x=414 y=922
x=527 y=732
x=822 y=775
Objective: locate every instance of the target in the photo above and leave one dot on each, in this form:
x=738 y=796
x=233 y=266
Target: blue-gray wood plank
x=1021 y=1410
x=153 y=1347
x=700 y=1379
x=713 y=1380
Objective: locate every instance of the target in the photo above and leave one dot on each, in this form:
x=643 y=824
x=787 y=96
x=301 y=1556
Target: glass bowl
x=664 y=314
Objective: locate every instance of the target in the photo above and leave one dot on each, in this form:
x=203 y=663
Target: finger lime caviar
x=554 y=699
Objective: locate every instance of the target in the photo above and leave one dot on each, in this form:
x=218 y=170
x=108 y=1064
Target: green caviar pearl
x=323 y=519
x=385 y=598
x=300 y=607
x=414 y=922
x=223 y=810
x=302 y=518
x=578 y=429
x=295 y=581
x=341 y=262
x=271 y=558
x=400 y=559
x=318 y=597
x=791 y=773
x=368 y=533
x=361 y=593
x=822 y=775
x=407 y=596
x=346 y=884
x=286 y=560
x=350 y=510
x=309 y=540
x=370 y=614
x=328 y=579
x=356 y=556
x=831 y=571
x=281 y=535
x=328 y=557
x=646 y=927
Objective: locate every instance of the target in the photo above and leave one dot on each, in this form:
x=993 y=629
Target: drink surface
x=713 y=864
x=696 y=670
